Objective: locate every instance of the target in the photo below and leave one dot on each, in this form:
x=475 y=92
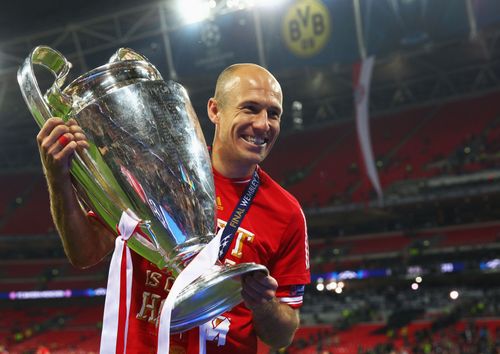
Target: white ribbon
x=110 y=323
x=198 y=266
x=202 y=337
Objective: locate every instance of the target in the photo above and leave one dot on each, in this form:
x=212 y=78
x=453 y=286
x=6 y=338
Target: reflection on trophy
x=148 y=158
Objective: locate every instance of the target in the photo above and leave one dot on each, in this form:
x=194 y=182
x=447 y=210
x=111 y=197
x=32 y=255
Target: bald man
x=246 y=110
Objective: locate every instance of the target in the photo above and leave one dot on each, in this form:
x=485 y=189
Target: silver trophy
x=147 y=157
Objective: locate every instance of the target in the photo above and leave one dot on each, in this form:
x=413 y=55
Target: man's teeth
x=255 y=140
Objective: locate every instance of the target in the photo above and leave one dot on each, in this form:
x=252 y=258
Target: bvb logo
x=306 y=27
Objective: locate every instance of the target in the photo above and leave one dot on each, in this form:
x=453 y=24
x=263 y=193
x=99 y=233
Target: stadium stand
x=422 y=143
x=29 y=209
x=74 y=327
x=478 y=336
x=16 y=182
x=328 y=170
x=349 y=252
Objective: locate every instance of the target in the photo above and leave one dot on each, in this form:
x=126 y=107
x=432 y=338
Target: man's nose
x=261 y=121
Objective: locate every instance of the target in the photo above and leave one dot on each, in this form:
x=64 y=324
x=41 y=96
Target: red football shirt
x=272 y=233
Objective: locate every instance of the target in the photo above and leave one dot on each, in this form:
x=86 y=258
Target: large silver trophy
x=147 y=157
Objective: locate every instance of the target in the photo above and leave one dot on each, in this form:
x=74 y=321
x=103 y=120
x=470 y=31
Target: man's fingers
x=77 y=132
x=63 y=156
x=250 y=297
x=48 y=128
x=63 y=140
x=79 y=136
x=81 y=140
x=74 y=128
x=83 y=144
x=51 y=138
x=258 y=288
x=57 y=146
x=56 y=141
x=72 y=122
x=263 y=280
x=254 y=299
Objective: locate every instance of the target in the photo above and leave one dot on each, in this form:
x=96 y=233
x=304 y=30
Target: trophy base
x=210 y=295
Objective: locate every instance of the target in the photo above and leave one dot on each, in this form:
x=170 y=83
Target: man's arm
x=274 y=322
x=85 y=240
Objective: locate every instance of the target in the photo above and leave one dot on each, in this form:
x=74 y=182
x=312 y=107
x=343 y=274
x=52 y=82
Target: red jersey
x=272 y=233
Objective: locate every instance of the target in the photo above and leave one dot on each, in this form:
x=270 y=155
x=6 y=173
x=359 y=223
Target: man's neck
x=232 y=170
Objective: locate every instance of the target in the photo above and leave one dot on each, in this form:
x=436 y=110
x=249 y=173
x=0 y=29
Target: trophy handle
x=123 y=54
x=55 y=102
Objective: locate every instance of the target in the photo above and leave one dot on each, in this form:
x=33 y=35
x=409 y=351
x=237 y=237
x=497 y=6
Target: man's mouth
x=255 y=140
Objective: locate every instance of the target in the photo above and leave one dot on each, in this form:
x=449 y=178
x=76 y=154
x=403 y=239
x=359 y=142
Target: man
x=246 y=111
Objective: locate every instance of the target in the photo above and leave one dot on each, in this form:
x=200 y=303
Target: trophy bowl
x=147 y=156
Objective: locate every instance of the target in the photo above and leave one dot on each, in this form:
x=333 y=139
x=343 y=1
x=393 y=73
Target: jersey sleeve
x=291 y=266
x=292 y=295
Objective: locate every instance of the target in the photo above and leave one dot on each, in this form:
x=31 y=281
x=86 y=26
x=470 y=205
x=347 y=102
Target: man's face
x=249 y=120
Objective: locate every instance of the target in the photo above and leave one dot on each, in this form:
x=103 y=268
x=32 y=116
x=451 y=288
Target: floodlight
x=331 y=286
x=233 y=4
x=267 y=3
x=194 y=10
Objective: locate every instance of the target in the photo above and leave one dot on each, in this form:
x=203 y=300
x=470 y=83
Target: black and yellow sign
x=306 y=27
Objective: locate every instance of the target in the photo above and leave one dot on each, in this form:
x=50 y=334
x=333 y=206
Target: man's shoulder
x=278 y=193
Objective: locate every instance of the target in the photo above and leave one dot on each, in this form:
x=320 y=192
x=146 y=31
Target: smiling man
x=267 y=226
x=246 y=110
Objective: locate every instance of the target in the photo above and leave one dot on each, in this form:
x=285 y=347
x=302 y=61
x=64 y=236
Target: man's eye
x=250 y=109
x=273 y=114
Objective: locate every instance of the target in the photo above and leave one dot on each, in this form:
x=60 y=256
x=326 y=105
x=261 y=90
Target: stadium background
x=415 y=273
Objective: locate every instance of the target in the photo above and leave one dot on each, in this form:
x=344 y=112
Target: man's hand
x=85 y=240
x=57 y=142
x=258 y=290
x=275 y=322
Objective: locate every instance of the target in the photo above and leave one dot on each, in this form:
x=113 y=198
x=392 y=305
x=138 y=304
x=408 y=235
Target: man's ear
x=213 y=110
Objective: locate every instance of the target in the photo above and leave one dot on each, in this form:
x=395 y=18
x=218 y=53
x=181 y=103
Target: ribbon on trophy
x=117 y=305
x=197 y=267
x=119 y=290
